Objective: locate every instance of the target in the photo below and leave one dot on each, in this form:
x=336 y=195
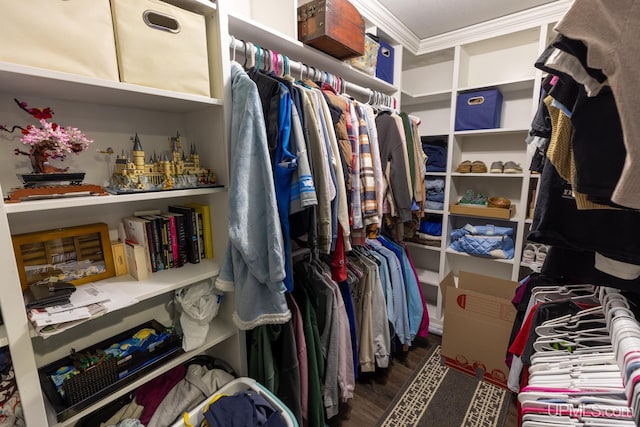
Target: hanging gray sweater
x=198 y=384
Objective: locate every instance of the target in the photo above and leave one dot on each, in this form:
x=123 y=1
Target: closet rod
x=298 y=67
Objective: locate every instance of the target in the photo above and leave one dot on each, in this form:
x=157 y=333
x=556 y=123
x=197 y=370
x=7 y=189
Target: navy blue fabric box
x=384 y=67
x=478 y=110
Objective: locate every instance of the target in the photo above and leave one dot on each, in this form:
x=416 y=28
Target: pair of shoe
x=471 y=167
x=471 y=198
x=534 y=253
x=508 y=167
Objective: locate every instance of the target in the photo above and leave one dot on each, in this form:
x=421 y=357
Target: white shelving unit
x=111 y=112
x=498 y=58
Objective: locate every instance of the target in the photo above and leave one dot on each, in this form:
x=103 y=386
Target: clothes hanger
x=246 y=57
x=572 y=321
x=258 y=57
x=275 y=63
x=267 y=60
x=233 y=49
x=542 y=293
x=570 y=344
x=253 y=54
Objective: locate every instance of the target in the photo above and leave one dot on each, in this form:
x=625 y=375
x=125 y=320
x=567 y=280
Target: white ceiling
x=426 y=18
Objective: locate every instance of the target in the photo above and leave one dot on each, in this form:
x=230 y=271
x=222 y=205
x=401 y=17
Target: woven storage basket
x=90 y=381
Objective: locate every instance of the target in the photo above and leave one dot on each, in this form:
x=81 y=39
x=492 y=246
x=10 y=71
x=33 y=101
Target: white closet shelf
x=425 y=98
x=528 y=221
x=490 y=132
x=435 y=174
x=219 y=331
x=428 y=277
x=157 y=283
x=162 y=281
x=246 y=29
x=504 y=86
x=427 y=247
x=434 y=211
x=15 y=78
x=502 y=261
x=488 y=175
x=513 y=219
x=203 y=7
x=74 y=202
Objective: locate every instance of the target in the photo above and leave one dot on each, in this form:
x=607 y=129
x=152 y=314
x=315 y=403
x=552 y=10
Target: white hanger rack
x=299 y=69
x=578 y=382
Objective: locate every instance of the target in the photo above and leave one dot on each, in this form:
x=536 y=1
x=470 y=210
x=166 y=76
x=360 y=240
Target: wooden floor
x=375 y=391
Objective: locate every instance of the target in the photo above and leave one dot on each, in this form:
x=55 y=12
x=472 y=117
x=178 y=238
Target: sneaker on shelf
x=496 y=167
x=541 y=253
x=478 y=167
x=512 y=167
x=529 y=253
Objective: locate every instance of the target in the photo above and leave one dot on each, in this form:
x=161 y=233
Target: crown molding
x=377 y=14
x=548 y=13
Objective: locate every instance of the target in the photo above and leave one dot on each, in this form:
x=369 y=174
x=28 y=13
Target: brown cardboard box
x=478 y=318
x=482 y=211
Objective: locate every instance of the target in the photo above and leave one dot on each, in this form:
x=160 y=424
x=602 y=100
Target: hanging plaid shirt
x=367 y=175
x=354 y=138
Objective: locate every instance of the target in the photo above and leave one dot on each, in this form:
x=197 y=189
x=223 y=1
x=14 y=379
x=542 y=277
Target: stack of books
x=168 y=239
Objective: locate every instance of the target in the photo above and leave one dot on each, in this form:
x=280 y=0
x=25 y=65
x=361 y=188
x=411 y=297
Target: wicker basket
x=90 y=381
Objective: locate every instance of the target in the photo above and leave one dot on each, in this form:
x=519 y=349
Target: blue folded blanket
x=436 y=157
x=484 y=240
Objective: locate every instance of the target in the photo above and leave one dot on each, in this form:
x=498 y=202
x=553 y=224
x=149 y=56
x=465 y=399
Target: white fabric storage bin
x=162 y=46
x=72 y=36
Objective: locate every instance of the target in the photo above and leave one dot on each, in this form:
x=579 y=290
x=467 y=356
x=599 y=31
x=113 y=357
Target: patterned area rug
x=438 y=396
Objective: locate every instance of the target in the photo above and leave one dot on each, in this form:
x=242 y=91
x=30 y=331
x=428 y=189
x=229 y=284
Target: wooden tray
x=482 y=211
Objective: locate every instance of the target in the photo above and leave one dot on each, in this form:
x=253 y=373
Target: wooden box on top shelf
x=332 y=26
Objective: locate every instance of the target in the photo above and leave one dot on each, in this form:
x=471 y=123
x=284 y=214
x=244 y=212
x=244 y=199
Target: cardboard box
x=478 y=318
x=482 y=211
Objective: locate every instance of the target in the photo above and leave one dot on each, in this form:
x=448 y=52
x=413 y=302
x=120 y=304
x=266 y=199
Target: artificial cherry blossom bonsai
x=48 y=141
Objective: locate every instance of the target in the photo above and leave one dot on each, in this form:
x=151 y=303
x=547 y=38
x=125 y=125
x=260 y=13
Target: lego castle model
x=171 y=170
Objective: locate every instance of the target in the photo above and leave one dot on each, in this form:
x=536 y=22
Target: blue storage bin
x=479 y=110
x=384 y=67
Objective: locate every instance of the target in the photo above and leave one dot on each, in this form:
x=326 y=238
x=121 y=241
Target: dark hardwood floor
x=375 y=391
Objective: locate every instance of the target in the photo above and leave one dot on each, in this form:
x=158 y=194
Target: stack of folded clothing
x=435 y=193
x=430 y=231
x=436 y=151
x=484 y=240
